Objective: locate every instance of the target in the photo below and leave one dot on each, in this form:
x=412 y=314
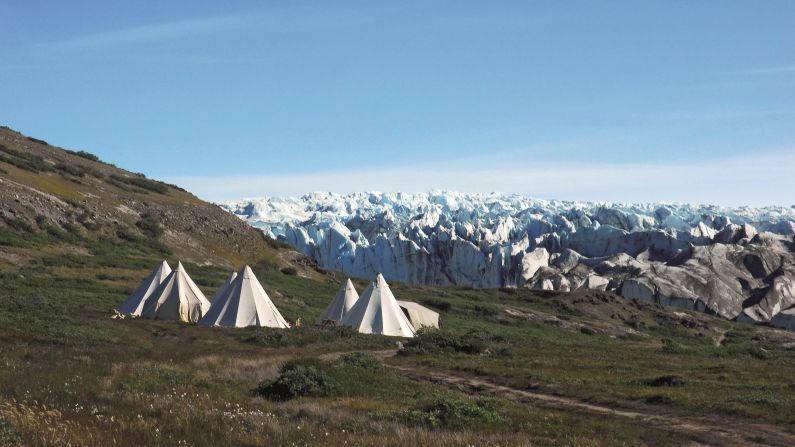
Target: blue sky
x=597 y=100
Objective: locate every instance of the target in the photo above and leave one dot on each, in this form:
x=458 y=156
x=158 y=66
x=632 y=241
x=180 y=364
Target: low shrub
x=361 y=360
x=299 y=378
x=7 y=434
x=84 y=154
x=18 y=224
x=77 y=170
x=671 y=347
x=125 y=233
x=669 y=380
x=289 y=271
x=759 y=353
x=430 y=341
x=24 y=160
x=485 y=311
x=71 y=228
x=448 y=412
x=272 y=337
x=149 y=225
x=659 y=399
x=764 y=398
x=36 y=140
x=436 y=303
x=142 y=183
x=274 y=243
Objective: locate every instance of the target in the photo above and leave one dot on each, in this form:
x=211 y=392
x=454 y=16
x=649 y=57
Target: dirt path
x=704 y=430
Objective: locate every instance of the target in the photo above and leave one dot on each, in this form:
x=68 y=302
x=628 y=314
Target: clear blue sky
x=603 y=100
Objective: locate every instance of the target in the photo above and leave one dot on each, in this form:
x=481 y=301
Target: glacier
x=737 y=262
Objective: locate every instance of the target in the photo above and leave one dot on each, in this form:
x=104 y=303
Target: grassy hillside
x=509 y=367
x=56 y=202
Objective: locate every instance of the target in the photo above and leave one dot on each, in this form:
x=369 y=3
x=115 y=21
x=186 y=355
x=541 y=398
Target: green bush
x=666 y=380
x=9 y=239
x=361 y=360
x=430 y=341
x=764 y=398
x=77 y=170
x=436 y=303
x=18 y=224
x=59 y=234
x=84 y=154
x=150 y=225
x=671 y=347
x=142 y=183
x=299 y=378
x=7 y=434
x=272 y=337
x=24 y=160
x=759 y=353
x=454 y=413
x=71 y=228
x=36 y=140
x=125 y=233
x=290 y=271
x=84 y=218
x=486 y=311
x=274 y=243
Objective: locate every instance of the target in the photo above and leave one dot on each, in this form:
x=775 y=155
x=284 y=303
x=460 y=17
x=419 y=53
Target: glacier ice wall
x=735 y=261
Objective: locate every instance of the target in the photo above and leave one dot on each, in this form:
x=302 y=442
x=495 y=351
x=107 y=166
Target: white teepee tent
x=419 y=316
x=244 y=303
x=340 y=305
x=377 y=312
x=222 y=290
x=134 y=304
x=177 y=298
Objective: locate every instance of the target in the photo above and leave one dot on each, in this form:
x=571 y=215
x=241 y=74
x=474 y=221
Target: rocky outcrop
x=737 y=263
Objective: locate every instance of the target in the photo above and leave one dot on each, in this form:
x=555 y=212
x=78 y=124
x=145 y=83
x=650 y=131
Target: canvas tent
x=244 y=303
x=134 y=304
x=377 y=312
x=419 y=316
x=176 y=298
x=223 y=287
x=340 y=305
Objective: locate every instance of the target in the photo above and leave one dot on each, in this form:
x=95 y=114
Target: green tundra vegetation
x=508 y=366
x=72 y=375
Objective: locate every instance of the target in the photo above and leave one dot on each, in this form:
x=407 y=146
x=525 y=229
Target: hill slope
x=56 y=201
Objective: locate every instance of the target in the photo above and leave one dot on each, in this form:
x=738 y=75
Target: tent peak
x=244 y=303
x=379 y=280
x=134 y=303
x=247 y=272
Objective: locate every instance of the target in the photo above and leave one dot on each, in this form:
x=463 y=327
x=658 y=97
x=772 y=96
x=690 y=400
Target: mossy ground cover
x=748 y=375
x=71 y=374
